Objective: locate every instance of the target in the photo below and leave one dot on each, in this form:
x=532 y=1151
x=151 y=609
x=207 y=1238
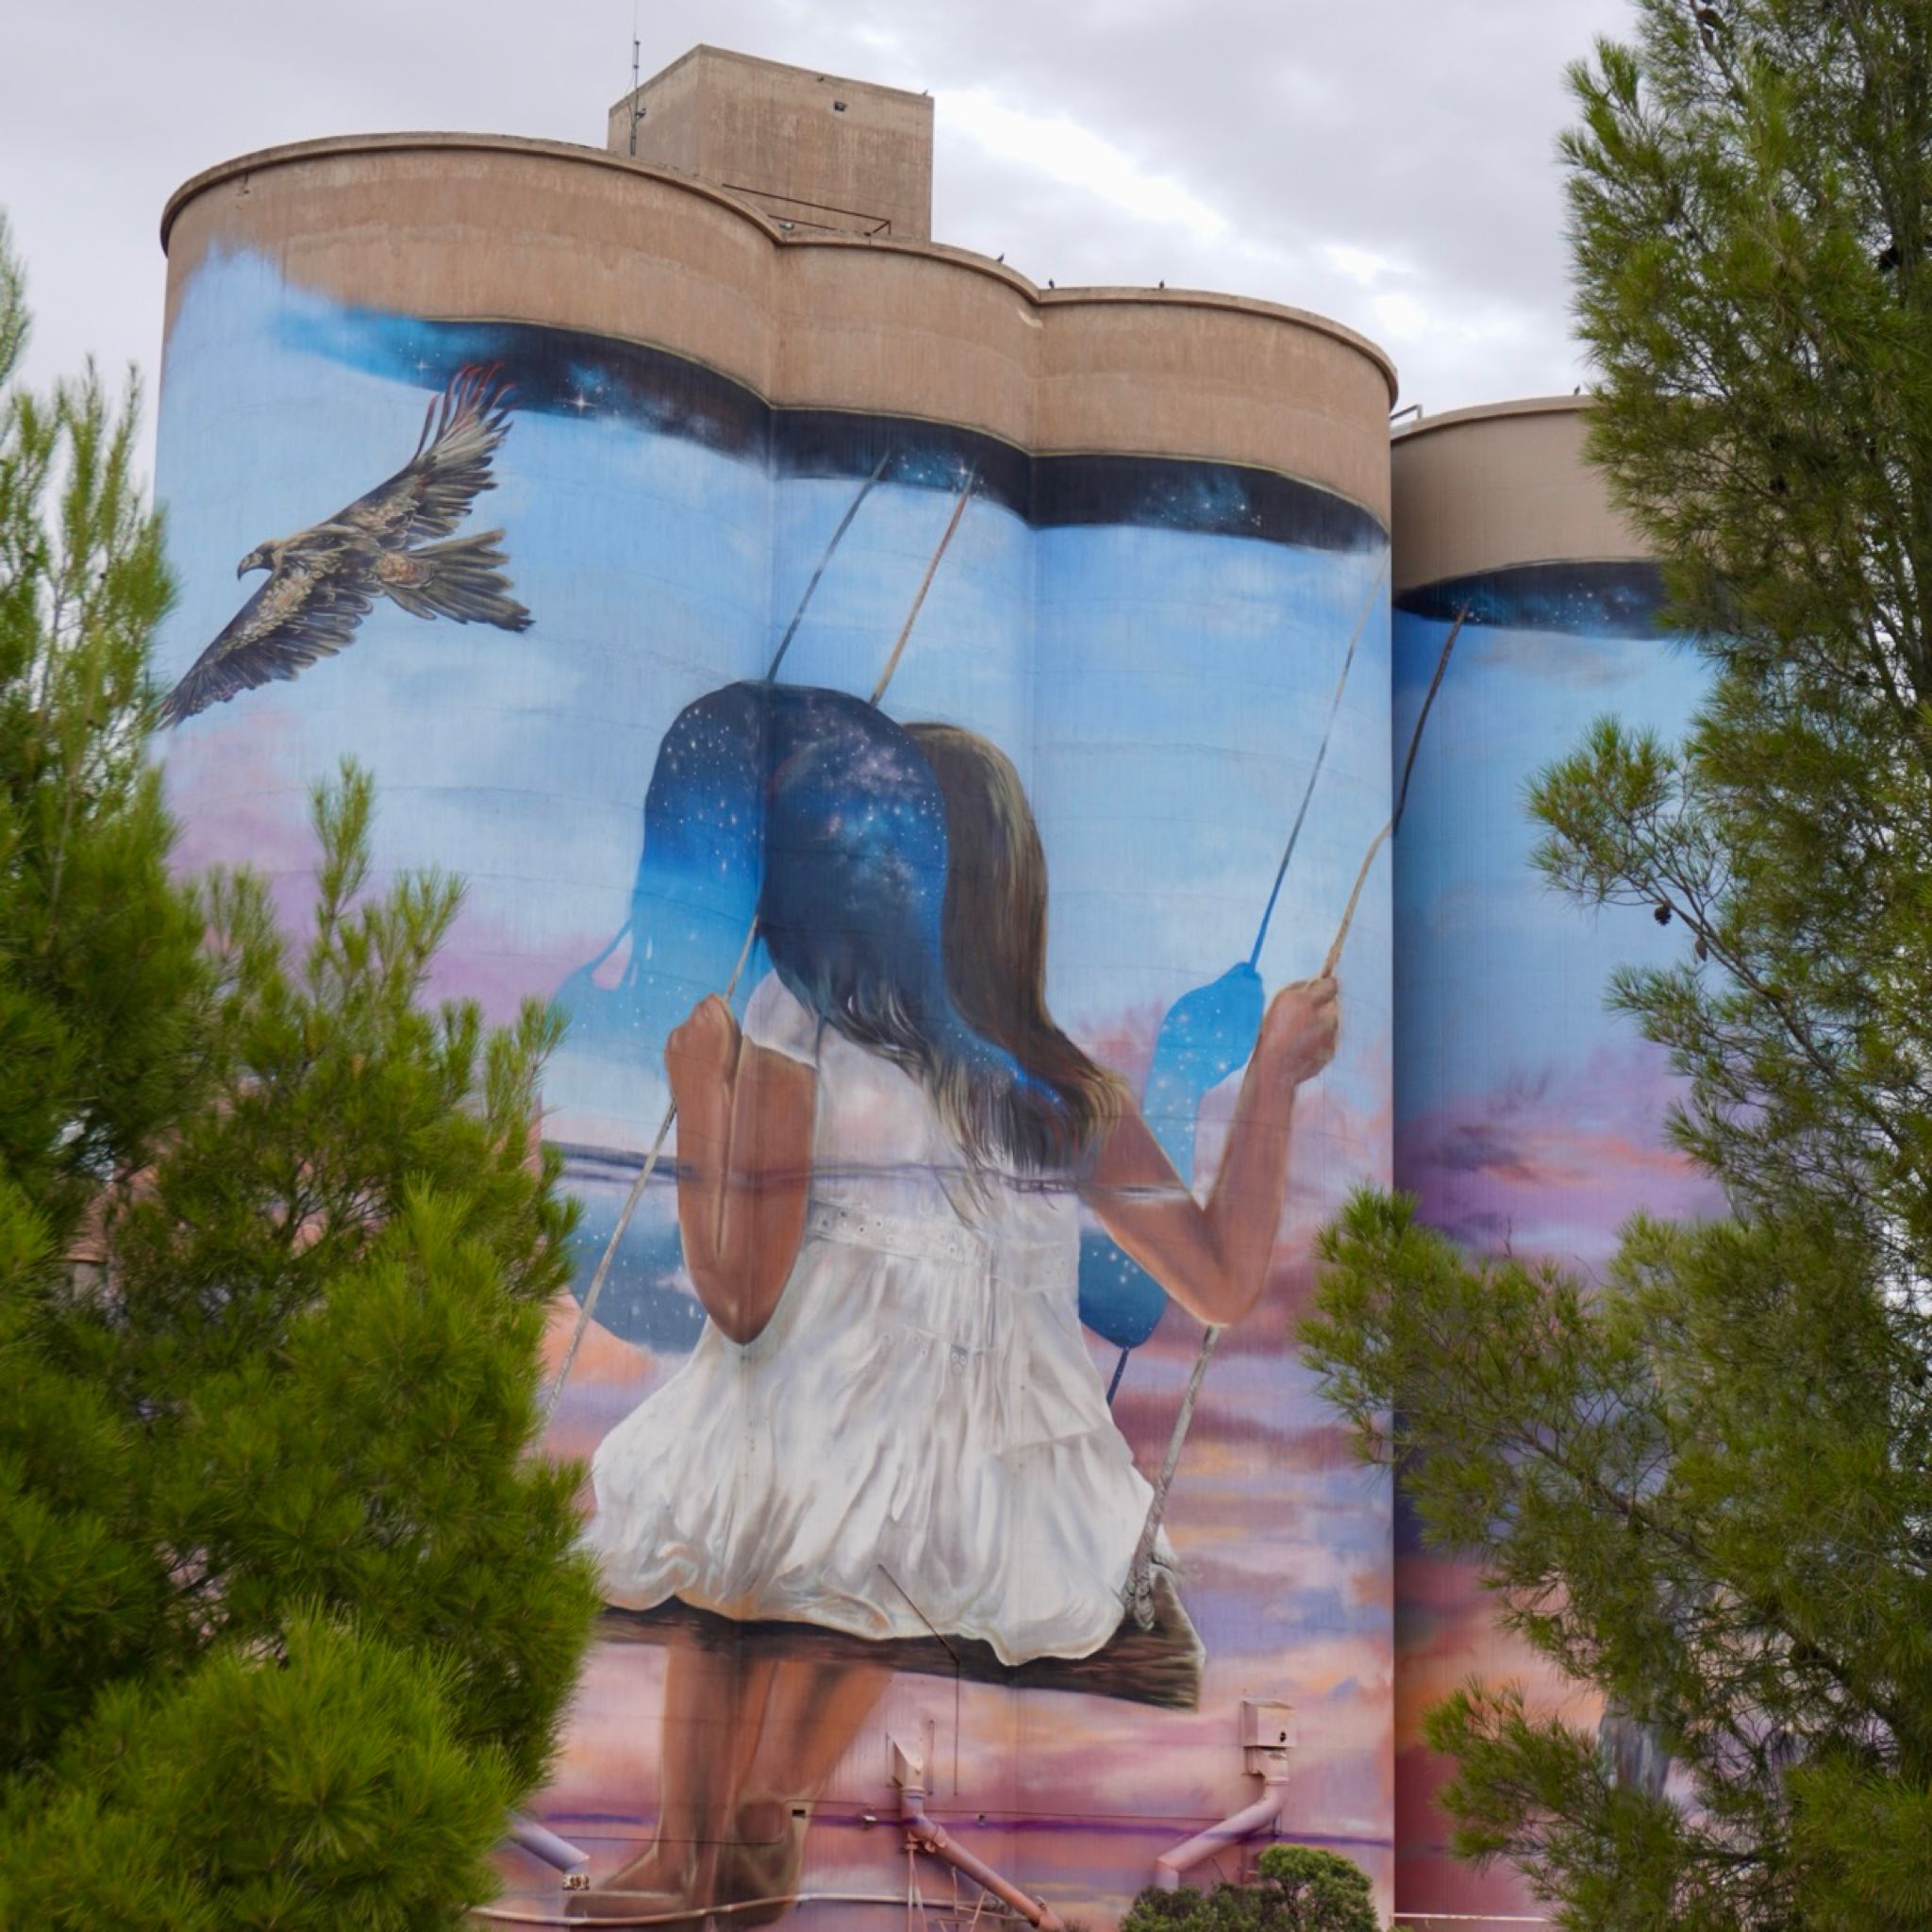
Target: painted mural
x=938 y=852
x=1528 y=1116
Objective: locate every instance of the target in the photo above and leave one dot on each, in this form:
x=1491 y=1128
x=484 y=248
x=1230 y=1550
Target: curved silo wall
x=1171 y=529
x=1526 y=1115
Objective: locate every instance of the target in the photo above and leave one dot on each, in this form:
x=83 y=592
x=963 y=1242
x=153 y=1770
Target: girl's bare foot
x=762 y=1865
x=674 y=1877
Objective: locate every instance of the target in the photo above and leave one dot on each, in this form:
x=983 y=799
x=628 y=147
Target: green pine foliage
x=1702 y=1488
x=329 y=1789
x=289 y=1607
x=1298 y=1889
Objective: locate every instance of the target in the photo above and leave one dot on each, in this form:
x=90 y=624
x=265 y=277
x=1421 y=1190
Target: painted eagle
x=397 y=542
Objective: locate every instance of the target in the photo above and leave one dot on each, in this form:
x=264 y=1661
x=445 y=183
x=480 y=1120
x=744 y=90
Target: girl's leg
x=714 y=1709
x=812 y=1714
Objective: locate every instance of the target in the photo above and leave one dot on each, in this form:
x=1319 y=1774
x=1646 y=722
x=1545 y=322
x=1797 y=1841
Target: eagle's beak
x=254 y=560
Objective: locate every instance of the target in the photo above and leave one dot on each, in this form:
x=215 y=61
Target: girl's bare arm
x=744 y=1125
x=1213 y=1259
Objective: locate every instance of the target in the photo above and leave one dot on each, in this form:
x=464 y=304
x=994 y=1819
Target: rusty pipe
x=924 y=1834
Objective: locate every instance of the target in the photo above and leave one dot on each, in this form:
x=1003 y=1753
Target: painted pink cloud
x=1337 y=1146
x=236 y=804
x=1556 y=1167
x=230 y=787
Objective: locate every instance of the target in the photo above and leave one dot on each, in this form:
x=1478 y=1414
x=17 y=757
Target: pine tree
x=1704 y=1487
x=289 y=1608
x=1296 y=1888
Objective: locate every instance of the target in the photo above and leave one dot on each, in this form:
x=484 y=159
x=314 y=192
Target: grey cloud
x=1420 y=133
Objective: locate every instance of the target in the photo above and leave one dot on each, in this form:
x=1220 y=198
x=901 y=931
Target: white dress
x=918 y=1440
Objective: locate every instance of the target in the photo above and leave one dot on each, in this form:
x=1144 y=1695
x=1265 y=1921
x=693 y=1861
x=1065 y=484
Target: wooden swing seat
x=1159 y=1667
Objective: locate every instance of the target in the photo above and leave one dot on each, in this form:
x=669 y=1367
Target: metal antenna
x=636 y=114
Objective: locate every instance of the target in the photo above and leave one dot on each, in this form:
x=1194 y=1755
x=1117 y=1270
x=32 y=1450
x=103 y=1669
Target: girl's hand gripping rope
x=1298 y=1035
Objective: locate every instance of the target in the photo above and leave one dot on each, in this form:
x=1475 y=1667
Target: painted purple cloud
x=1556 y=1166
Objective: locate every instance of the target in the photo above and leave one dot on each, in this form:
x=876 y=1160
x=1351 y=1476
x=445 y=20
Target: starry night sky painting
x=1152 y=642
x=823 y=777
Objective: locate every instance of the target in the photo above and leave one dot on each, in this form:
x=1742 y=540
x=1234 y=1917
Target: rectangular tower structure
x=816 y=152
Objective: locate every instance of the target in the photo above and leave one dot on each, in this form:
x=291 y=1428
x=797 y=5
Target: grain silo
x=724 y=579
x=1527 y=1116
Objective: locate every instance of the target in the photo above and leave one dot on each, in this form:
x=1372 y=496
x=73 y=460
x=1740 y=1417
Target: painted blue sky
x=1162 y=690
x=1501 y=979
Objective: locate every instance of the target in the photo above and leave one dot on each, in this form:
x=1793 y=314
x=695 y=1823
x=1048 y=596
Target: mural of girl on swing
x=890 y=1439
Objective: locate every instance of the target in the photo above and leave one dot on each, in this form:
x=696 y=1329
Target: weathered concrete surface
x=819 y=151
x=482 y=226
x=1483 y=488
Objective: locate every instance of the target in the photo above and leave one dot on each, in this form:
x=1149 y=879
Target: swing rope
x=1138 y=1591
x=865 y=488
x=837 y=537
x=1315 y=770
x=581 y=1327
x=1119 y=1367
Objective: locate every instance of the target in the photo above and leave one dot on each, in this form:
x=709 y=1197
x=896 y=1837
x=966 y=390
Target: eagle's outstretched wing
x=308 y=608
x=324 y=580
x=432 y=492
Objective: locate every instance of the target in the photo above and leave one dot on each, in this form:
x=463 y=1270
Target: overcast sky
x=1387 y=162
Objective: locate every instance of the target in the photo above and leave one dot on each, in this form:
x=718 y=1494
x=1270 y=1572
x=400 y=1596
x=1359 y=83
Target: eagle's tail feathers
x=462 y=578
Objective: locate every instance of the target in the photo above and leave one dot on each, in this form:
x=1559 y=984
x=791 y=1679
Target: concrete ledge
x=503 y=227
x=1499 y=485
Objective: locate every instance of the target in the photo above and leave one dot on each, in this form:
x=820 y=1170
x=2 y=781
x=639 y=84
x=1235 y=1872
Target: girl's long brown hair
x=994 y=931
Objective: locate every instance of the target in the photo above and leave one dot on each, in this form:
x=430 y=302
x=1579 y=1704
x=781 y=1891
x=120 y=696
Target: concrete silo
x=684 y=411
x=1527 y=1116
